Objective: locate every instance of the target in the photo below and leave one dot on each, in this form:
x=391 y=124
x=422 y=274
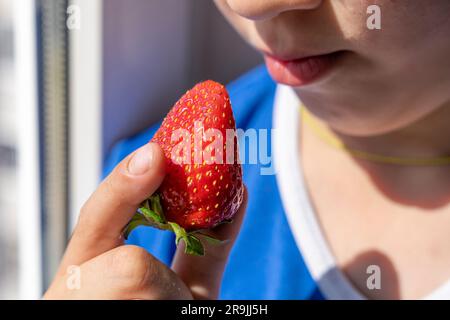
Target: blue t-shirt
x=265 y=262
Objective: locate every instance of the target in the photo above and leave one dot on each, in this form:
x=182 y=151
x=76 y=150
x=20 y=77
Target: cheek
x=351 y=19
x=245 y=8
x=405 y=25
x=398 y=21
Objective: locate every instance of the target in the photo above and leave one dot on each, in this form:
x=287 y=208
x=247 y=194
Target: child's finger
x=203 y=274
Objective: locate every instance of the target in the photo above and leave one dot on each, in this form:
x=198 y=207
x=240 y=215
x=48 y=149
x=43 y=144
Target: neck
x=423 y=186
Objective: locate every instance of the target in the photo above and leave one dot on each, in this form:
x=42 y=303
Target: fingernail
x=141 y=160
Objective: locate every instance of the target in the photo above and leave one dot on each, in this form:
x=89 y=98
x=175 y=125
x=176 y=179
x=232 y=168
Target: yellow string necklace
x=338 y=144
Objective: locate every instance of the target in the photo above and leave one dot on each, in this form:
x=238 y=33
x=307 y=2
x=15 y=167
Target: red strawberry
x=201 y=189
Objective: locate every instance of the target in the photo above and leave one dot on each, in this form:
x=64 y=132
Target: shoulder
x=251 y=94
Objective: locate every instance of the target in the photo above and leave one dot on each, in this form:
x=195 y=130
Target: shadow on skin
x=425 y=187
x=415 y=188
x=356 y=272
x=301 y=20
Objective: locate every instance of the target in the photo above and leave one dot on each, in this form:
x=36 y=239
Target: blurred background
x=76 y=77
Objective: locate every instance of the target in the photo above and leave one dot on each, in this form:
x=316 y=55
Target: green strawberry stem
x=151 y=214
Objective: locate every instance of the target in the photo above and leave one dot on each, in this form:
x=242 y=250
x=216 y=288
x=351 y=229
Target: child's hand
x=110 y=270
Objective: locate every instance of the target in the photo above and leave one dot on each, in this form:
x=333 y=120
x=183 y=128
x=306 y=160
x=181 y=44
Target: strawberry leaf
x=147 y=217
x=180 y=233
x=151 y=215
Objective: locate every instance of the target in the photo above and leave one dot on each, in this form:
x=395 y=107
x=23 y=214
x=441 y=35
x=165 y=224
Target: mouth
x=301 y=71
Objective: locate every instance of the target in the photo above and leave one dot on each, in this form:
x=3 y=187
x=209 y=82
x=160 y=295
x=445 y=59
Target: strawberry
x=203 y=184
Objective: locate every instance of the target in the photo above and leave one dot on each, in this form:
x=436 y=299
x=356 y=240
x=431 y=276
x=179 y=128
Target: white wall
x=130 y=62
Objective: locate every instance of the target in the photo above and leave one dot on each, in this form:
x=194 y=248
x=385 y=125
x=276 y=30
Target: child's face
x=382 y=80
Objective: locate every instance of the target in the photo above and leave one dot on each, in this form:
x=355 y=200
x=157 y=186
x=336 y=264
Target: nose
x=266 y=9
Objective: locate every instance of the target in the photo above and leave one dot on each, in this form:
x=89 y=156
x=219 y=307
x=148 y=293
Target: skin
x=111 y=270
x=389 y=95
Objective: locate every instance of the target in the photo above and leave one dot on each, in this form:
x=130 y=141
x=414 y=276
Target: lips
x=300 y=72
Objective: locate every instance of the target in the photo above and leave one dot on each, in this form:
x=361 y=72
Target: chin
x=353 y=123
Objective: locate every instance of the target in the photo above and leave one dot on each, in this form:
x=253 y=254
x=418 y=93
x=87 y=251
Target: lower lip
x=297 y=73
